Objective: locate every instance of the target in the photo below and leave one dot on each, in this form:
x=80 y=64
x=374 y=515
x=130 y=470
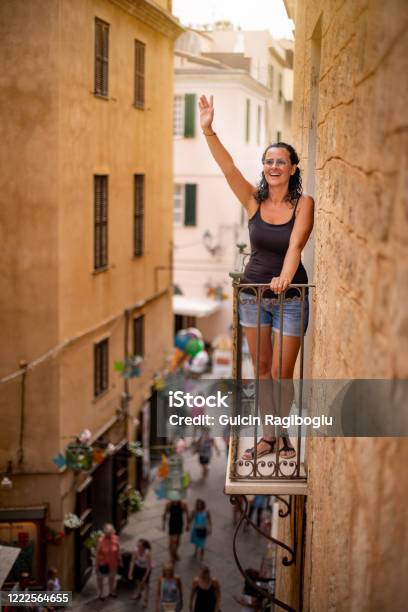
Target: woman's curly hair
x=295 y=181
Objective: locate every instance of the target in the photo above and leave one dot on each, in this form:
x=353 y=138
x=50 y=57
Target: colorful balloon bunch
x=189 y=346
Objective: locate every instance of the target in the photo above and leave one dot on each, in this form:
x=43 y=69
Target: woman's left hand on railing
x=279 y=284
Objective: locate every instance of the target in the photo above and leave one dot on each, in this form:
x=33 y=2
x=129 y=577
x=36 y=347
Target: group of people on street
x=179 y=519
x=205 y=591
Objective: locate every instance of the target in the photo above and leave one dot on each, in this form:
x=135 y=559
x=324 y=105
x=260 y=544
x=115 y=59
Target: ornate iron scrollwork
x=288 y=505
x=242 y=503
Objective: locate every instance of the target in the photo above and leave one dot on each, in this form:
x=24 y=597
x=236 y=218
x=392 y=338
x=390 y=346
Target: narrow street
x=219 y=554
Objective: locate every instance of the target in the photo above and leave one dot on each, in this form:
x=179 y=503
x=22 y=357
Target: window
x=178 y=212
x=258 y=125
x=138 y=335
x=138 y=215
x=178 y=116
x=101 y=370
x=280 y=91
x=248 y=120
x=140 y=63
x=100 y=222
x=185 y=205
x=270 y=77
x=189 y=115
x=184 y=115
x=101 y=57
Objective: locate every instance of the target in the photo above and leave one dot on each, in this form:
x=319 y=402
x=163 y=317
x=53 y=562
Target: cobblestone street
x=219 y=555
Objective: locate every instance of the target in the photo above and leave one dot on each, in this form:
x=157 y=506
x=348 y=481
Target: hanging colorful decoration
x=136 y=449
x=189 y=343
x=98 y=455
x=85 y=436
x=173 y=480
x=78 y=456
x=216 y=292
x=159 y=382
x=81 y=456
x=60 y=461
x=130 y=367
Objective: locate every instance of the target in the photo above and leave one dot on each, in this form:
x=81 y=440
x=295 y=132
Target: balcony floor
x=269 y=485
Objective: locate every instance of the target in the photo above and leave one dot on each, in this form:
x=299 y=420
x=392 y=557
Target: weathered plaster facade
x=57 y=136
x=350 y=127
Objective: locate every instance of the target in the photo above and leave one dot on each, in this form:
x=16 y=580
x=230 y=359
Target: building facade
x=349 y=125
x=208 y=219
x=87 y=199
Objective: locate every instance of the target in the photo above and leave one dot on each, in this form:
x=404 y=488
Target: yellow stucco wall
x=356 y=550
x=57 y=136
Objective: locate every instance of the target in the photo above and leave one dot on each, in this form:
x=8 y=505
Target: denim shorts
x=270 y=313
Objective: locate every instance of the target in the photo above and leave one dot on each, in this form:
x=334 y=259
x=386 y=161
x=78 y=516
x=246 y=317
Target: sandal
x=287 y=448
x=251 y=451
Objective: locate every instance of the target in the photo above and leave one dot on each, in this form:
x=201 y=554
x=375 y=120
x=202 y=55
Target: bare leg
x=290 y=351
x=145 y=592
x=99 y=581
x=112 y=582
x=264 y=370
x=176 y=547
x=269 y=369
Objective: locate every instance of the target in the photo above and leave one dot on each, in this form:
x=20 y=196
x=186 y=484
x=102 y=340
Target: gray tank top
x=269 y=243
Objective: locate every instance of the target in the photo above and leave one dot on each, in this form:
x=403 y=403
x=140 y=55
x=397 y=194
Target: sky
x=249 y=14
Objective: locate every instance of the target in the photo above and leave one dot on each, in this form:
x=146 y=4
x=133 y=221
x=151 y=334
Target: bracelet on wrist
x=212 y=134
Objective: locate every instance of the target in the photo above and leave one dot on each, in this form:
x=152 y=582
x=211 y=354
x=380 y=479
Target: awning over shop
x=8 y=554
x=194 y=307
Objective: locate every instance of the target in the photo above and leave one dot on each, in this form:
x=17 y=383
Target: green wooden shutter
x=191 y=205
x=189 y=115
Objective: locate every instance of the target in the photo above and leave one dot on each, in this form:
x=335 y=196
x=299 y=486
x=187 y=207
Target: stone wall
x=356 y=546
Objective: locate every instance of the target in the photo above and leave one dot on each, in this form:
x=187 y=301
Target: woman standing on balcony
x=280 y=223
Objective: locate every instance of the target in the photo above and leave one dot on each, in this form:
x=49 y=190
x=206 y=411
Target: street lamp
x=209 y=243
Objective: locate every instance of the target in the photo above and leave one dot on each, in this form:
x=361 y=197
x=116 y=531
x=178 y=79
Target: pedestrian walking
x=201 y=527
x=169 y=591
x=107 y=560
x=259 y=504
x=175 y=510
x=22 y=586
x=205 y=592
x=250 y=600
x=204 y=448
x=53 y=584
x=140 y=569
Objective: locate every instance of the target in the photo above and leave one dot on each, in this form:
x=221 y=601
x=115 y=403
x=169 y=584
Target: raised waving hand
x=206 y=112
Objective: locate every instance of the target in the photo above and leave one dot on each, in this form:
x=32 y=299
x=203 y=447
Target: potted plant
x=71 y=522
x=131 y=498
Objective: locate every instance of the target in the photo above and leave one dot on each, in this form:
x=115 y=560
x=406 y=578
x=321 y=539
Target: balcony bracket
x=288 y=504
x=242 y=502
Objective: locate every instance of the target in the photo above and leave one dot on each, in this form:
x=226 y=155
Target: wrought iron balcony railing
x=272 y=473
x=256 y=393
